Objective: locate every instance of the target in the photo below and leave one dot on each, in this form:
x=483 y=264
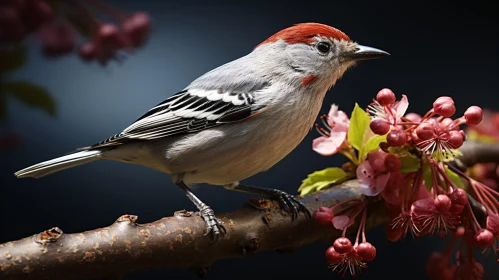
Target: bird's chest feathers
x=289 y=122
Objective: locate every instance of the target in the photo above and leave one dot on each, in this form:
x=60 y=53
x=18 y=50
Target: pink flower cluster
x=428 y=199
x=435 y=132
x=58 y=32
x=342 y=256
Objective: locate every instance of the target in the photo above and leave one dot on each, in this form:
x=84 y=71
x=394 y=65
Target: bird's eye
x=323 y=47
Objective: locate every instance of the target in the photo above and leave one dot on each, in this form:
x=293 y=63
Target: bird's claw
x=287 y=202
x=214 y=226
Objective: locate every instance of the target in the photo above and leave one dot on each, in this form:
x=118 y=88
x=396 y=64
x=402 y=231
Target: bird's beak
x=365 y=53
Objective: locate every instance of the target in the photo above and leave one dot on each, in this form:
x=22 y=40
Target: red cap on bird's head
x=305 y=33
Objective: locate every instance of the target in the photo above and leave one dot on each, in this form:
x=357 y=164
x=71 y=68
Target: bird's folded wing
x=188 y=111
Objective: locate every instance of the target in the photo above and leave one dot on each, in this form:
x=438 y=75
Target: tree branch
x=475 y=152
x=178 y=241
x=173 y=242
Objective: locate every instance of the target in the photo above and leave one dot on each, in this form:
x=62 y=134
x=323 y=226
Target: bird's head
x=314 y=53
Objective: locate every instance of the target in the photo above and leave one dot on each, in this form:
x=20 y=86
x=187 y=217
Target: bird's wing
x=188 y=111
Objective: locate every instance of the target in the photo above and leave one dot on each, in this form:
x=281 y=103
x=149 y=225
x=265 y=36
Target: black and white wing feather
x=186 y=112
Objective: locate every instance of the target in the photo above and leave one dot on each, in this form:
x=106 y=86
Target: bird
x=234 y=121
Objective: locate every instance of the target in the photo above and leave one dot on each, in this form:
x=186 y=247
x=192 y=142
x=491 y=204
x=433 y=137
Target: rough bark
x=172 y=242
x=178 y=241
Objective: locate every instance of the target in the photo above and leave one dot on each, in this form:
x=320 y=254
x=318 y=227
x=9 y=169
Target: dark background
x=437 y=49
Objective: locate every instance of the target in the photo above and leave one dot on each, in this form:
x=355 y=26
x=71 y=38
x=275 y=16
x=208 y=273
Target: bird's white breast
x=233 y=152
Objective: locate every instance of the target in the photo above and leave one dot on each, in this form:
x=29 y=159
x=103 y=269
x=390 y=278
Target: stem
x=363 y=224
x=360 y=225
x=476 y=224
x=349 y=156
x=441 y=170
x=488 y=195
x=479 y=195
x=456 y=123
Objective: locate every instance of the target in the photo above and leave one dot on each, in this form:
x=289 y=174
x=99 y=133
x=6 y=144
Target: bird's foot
x=290 y=203
x=214 y=227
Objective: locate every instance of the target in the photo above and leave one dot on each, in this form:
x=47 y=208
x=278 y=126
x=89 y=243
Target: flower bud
x=343 y=245
x=442 y=203
x=473 y=115
x=396 y=138
x=333 y=257
x=137 y=28
x=413 y=117
x=425 y=131
x=459 y=196
x=366 y=251
x=57 y=39
x=455 y=139
x=446 y=122
x=444 y=106
x=89 y=51
x=385 y=97
x=323 y=216
x=110 y=37
x=484 y=238
x=380 y=127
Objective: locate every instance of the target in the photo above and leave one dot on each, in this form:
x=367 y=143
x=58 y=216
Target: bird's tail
x=57 y=164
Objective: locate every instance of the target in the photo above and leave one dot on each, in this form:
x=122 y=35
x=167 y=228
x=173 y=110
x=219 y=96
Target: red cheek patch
x=308 y=80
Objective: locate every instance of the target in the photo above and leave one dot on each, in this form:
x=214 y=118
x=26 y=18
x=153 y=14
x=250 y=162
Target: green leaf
x=314 y=187
x=454 y=178
x=410 y=162
x=319 y=180
x=427 y=177
x=359 y=124
x=371 y=145
x=12 y=59
x=31 y=95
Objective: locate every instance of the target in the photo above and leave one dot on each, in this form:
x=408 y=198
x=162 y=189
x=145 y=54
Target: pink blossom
x=337 y=123
x=371 y=183
x=427 y=219
x=341 y=222
x=346 y=262
x=390 y=113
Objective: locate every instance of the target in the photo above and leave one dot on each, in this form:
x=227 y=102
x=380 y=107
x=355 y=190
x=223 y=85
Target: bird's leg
x=286 y=201
x=214 y=226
